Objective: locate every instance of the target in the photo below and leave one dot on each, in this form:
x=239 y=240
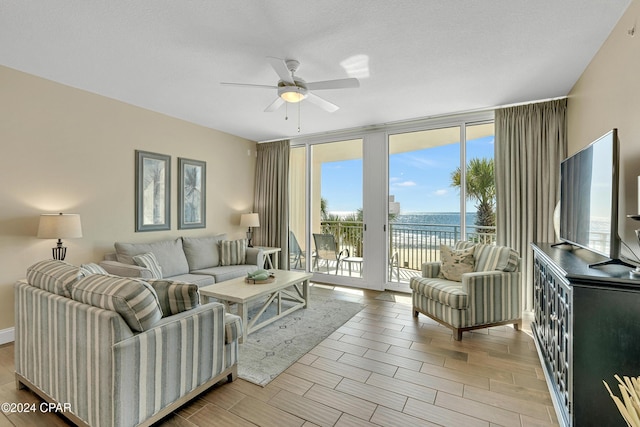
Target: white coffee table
x=292 y=286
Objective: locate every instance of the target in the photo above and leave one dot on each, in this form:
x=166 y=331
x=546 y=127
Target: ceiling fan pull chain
x=299 y=116
x=286 y=111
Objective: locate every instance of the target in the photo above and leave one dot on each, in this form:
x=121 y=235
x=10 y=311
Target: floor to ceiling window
x=432 y=179
x=427 y=206
x=384 y=201
x=481 y=185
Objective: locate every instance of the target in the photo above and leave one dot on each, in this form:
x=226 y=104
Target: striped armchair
x=106 y=367
x=488 y=295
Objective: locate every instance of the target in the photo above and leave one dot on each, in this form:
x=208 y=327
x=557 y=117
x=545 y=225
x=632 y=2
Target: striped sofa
x=117 y=360
x=489 y=295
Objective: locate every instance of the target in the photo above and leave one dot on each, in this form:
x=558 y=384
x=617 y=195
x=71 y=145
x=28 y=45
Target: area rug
x=272 y=349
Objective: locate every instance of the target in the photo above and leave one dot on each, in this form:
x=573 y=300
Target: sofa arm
x=163 y=364
x=255 y=256
x=431 y=269
x=126 y=270
x=63 y=348
x=494 y=296
x=232 y=328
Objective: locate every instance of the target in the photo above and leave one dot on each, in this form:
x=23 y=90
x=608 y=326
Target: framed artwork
x=192 y=207
x=153 y=198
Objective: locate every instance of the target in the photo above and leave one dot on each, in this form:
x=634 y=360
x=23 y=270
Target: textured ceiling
x=417 y=58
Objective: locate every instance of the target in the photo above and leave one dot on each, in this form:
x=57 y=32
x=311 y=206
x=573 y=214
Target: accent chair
x=473 y=286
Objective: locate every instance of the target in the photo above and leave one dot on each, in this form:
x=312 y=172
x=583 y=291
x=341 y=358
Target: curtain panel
x=530 y=144
x=271 y=199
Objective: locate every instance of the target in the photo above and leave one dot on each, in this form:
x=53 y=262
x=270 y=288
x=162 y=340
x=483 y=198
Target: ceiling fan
x=292 y=88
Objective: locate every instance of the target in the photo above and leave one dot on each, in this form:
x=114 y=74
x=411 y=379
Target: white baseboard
x=7 y=335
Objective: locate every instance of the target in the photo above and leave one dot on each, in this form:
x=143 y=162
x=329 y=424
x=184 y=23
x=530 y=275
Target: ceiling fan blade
x=280 y=67
x=334 y=84
x=321 y=102
x=274 y=105
x=248 y=85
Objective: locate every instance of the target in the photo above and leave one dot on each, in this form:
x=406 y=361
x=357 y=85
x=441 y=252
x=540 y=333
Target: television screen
x=589 y=197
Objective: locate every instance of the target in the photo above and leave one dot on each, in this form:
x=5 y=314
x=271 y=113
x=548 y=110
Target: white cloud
x=441 y=192
x=404 y=184
x=422 y=162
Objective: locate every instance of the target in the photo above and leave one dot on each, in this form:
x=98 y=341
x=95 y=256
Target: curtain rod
x=409 y=121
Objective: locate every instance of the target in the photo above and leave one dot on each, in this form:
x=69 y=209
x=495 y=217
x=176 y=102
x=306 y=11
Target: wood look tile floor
x=382 y=368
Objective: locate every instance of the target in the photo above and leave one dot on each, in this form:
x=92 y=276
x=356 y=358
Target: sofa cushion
x=492 y=257
x=175 y=297
x=134 y=300
x=202 y=252
x=196 y=279
x=92 y=268
x=54 y=276
x=228 y=272
x=443 y=291
x=149 y=261
x=455 y=262
x=233 y=252
x=169 y=254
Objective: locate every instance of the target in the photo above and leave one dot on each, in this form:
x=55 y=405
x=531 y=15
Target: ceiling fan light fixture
x=292 y=94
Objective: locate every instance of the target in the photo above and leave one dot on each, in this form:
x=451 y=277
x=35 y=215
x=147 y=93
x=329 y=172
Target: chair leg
x=517 y=325
x=457 y=334
x=415 y=312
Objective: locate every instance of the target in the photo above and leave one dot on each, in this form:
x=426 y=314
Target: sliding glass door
x=335 y=238
x=336 y=210
x=368 y=210
x=424 y=208
x=433 y=178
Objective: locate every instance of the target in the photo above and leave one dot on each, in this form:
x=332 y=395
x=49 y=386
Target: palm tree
x=481 y=186
x=192 y=194
x=324 y=213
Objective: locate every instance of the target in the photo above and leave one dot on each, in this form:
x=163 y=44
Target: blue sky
x=419 y=180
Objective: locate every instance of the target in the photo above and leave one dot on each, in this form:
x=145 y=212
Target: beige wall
x=67 y=150
x=607 y=96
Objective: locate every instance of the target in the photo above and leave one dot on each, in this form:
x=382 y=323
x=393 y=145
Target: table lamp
x=249 y=220
x=59 y=226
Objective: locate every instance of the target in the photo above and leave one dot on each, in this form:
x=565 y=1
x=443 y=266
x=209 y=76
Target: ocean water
x=429 y=229
x=438 y=220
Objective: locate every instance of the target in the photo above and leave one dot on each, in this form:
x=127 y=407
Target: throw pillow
x=54 y=276
x=92 y=268
x=455 y=262
x=202 y=252
x=175 y=297
x=169 y=253
x=233 y=252
x=149 y=262
x=500 y=258
x=134 y=300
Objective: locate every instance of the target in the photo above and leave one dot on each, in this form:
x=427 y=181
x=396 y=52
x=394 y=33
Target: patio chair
x=295 y=252
x=394 y=266
x=326 y=249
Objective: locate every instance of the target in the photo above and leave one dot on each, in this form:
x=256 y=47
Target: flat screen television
x=589 y=198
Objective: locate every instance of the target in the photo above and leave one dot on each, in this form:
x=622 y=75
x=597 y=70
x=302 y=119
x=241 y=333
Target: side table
x=272 y=255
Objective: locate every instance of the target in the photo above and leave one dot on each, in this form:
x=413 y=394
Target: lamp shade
x=250 y=220
x=59 y=226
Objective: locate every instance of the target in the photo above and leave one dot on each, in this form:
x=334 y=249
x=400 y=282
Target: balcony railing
x=414 y=244
x=348 y=235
